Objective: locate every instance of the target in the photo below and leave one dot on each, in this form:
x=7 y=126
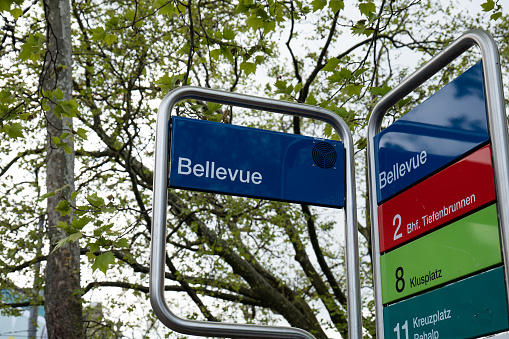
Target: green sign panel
x=466 y=246
x=472 y=307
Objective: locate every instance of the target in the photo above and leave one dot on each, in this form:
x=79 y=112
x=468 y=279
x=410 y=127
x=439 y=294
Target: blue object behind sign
x=444 y=127
x=221 y=158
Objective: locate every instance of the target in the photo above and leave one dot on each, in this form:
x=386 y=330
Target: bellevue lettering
x=399 y=170
x=210 y=171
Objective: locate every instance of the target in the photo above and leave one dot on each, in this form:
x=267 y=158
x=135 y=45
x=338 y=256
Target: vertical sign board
x=441 y=263
x=213 y=157
x=222 y=158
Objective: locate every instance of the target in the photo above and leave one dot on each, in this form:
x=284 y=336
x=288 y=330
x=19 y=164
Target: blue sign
x=446 y=126
x=227 y=159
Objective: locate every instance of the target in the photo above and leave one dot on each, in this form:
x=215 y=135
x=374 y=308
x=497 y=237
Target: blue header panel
x=447 y=125
x=222 y=158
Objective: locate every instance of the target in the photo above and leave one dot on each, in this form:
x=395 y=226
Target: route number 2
x=397 y=219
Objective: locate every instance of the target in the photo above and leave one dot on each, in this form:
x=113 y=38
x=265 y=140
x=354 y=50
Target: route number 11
x=404 y=327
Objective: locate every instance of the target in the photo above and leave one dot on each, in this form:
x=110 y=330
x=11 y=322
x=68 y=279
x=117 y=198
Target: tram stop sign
x=440 y=270
x=227 y=159
x=198 y=155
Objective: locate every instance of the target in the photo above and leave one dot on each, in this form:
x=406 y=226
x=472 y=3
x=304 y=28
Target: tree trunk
x=62 y=302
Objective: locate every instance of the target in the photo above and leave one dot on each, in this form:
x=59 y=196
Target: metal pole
x=213 y=329
x=497 y=123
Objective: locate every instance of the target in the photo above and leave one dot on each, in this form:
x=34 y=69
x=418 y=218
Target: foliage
x=228 y=258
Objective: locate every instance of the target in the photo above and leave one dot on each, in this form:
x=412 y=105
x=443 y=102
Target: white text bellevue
x=209 y=170
x=399 y=170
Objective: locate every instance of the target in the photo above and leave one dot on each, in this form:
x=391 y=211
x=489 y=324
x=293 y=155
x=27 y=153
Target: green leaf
x=227 y=53
x=73 y=195
x=168 y=9
x=94 y=247
x=367 y=8
x=248 y=67
x=5 y=5
x=254 y=22
x=380 y=91
x=63 y=207
x=103 y=261
x=81 y=222
x=45 y=105
x=62 y=225
x=345 y=73
x=352 y=90
x=90 y=255
x=33 y=47
x=67 y=108
x=228 y=34
x=57 y=94
x=361 y=144
x=496 y=16
x=341 y=111
x=298 y=87
x=60 y=243
x=82 y=133
x=269 y=26
x=215 y=54
x=121 y=243
x=75 y=236
x=47 y=195
x=167 y=82
x=360 y=71
x=403 y=102
x=110 y=39
x=95 y=200
x=327 y=130
x=331 y=65
x=280 y=84
x=14 y=131
x=336 y=5
x=311 y=100
x=318 y=4
x=488 y=5
x=335 y=77
x=98 y=34
x=108 y=210
x=130 y=15
x=16 y=12
x=67 y=149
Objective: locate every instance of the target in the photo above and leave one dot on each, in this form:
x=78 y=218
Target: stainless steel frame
x=160 y=197
x=497 y=124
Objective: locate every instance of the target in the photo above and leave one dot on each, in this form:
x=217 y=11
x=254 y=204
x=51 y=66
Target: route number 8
x=397 y=218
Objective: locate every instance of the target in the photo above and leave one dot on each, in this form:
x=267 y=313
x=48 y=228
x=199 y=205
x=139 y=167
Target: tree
x=229 y=258
x=62 y=298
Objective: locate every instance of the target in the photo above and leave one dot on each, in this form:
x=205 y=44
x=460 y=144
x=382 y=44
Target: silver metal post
x=497 y=123
x=212 y=329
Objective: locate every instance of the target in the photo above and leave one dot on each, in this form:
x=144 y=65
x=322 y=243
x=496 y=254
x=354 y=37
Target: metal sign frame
x=497 y=124
x=160 y=200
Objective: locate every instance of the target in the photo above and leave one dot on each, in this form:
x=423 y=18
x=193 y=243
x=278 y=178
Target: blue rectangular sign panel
x=227 y=159
x=446 y=126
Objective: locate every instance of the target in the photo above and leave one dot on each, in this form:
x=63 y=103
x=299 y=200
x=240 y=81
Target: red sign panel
x=458 y=189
